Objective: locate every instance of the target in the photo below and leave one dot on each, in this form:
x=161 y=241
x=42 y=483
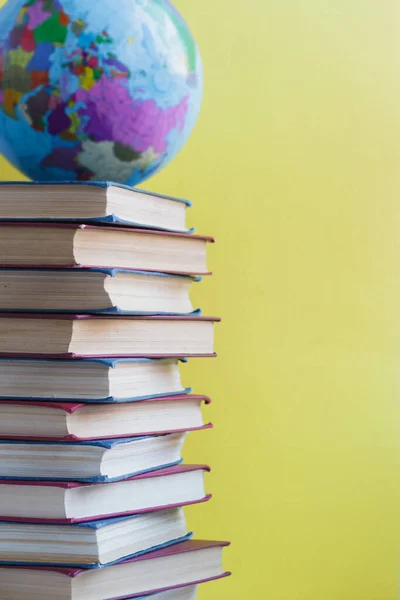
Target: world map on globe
x=96 y=90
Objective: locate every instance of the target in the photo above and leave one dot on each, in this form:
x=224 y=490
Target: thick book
x=91 y=202
x=111 y=291
x=89 y=380
x=93 y=544
x=79 y=336
x=187 y=563
x=68 y=245
x=105 y=460
x=78 y=422
x=70 y=502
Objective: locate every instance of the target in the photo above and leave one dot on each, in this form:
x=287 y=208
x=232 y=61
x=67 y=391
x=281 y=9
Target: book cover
x=71 y=408
x=78 y=317
x=109 y=362
x=107 y=444
x=66 y=485
x=111 y=272
x=108 y=219
x=179 y=548
x=98 y=184
x=153 y=232
x=89 y=566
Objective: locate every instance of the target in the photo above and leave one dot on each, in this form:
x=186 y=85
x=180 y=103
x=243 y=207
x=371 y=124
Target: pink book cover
x=206 y=239
x=182 y=548
x=74 y=407
x=67 y=485
x=77 y=317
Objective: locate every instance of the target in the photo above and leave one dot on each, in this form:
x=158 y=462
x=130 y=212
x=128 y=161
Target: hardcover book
x=80 y=336
x=101 y=380
x=91 y=202
x=110 y=291
x=70 y=502
x=92 y=544
x=105 y=460
x=68 y=245
x=79 y=422
x=187 y=563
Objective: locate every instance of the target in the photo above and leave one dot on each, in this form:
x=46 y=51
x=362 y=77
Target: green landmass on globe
x=91 y=92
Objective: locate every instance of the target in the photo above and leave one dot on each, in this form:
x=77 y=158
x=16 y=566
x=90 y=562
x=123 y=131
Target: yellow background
x=294 y=166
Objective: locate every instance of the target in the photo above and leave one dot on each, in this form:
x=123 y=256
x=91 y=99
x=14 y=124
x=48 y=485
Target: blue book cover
x=111 y=219
x=108 y=362
x=95 y=526
x=111 y=272
x=105 y=444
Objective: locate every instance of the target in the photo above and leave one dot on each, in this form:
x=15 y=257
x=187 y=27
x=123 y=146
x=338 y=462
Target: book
x=191 y=562
x=89 y=380
x=184 y=593
x=74 y=422
x=91 y=202
x=72 y=502
x=69 y=245
x=70 y=336
x=92 y=544
x=105 y=460
x=109 y=291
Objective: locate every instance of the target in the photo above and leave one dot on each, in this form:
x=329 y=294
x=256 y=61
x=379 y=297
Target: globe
x=96 y=89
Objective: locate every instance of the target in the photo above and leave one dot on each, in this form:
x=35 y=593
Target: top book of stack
x=96 y=224
x=91 y=202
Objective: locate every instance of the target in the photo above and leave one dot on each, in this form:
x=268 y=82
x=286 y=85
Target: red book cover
x=68 y=485
x=29 y=224
x=73 y=407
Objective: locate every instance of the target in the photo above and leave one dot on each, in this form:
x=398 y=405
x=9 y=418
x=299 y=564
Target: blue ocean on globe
x=96 y=89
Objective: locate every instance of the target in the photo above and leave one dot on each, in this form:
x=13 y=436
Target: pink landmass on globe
x=36 y=15
x=151 y=124
x=113 y=115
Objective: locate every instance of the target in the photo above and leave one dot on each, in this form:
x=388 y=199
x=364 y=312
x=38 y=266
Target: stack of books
x=95 y=317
